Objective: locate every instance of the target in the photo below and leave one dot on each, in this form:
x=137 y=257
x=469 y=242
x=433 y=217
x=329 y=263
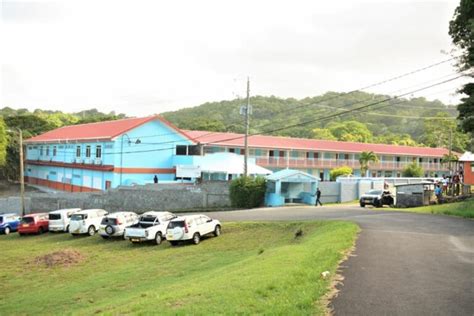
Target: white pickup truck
x=151 y=227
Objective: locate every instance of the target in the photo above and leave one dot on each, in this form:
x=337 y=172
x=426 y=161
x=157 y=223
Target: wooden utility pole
x=247 y=123
x=22 y=177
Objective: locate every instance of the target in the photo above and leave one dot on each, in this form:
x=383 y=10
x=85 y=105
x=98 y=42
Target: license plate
x=26 y=225
x=135 y=239
x=169 y=237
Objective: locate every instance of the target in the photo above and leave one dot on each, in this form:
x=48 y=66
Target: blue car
x=9 y=223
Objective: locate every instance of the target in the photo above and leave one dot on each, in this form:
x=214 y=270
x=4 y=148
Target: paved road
x=404 y=263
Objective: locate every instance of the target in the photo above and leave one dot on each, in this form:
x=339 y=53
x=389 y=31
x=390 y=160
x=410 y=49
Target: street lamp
x=22 y=177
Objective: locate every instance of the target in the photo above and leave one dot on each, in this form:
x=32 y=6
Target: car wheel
x=21 y=235
x=173 y=243
x=217 y=231
x=40 y=230
x=91 y=230
x=67 y=229
x=196 y=238
x=7 y=230
x=109 y=230
x=158 y=238
x=362 y=205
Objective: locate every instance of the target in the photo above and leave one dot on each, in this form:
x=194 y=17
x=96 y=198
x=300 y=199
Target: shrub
x=413 y=170
x=247 y=192
x=341 y=171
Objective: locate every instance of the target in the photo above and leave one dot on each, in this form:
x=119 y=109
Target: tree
x=323 y=133
x=413 y=170
x=3 y=142
x=461 y=30
x=350 y=131
x=365 y=158
x=341 y=171
x=442 y=131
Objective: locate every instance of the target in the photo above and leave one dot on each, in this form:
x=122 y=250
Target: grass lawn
x=251 y=268
x=462 y=209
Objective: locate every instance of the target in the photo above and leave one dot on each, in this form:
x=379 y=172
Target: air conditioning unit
x=98 y=161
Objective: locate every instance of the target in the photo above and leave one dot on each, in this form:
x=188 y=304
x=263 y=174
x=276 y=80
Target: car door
x=207 y=224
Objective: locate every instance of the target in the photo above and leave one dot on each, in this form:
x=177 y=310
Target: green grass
x=463 y=209
x=252 y=268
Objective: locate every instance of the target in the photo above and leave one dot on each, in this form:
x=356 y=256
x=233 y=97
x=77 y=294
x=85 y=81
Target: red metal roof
x=278 y=142
x=98 y=131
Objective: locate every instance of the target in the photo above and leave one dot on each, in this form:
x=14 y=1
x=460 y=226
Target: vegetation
x=365 y=158
x=35 y=123
x=413 y=170
x=400 y=122
x=341 y=171
x=461 y=30
x=462 y=209
x=247 y=192
x=252 y=268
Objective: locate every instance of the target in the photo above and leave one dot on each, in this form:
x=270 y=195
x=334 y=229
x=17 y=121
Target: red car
x=33 y=224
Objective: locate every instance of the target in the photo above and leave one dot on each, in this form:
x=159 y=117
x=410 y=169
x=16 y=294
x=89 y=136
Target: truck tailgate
x=135 y=232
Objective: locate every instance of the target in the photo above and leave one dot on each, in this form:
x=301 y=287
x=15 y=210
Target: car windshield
x=148 y=218
x=27 y=220
x=1 y=219
x=53 y=217
x=174 y=224
x=109 y=221
x=78 y=217
x=374 y=192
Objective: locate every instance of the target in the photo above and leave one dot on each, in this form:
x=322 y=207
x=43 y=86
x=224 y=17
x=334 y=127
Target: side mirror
x=209 y=220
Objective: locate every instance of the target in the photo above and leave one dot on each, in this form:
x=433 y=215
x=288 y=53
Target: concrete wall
x=169 y=197
x=329 y=192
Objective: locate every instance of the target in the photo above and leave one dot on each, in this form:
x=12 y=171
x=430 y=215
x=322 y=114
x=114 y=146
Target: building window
x=346 y=156
x=232 y=150
x=88 y=151
x=47 y=150
x=181 y=150
x=41 y=150
x=420 y=160
x=54 y=151
x=78 y=151
x=98 y=151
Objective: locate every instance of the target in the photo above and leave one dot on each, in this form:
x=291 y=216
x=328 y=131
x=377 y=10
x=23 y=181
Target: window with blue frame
x=78 y=151
x=88 y=151
x=47 y=150
x=98 y=151
x=54 y=151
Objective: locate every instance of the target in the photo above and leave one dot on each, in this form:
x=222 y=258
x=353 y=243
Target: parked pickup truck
x=151 y=227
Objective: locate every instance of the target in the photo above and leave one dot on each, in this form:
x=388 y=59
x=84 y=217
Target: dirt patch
x=62 y=258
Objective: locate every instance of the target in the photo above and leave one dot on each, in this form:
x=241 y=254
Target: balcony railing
x=280 y=162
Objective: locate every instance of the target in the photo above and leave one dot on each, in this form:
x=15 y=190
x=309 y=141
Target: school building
x=98 y=156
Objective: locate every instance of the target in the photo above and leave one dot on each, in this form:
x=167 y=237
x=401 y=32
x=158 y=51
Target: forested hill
x=410 y=122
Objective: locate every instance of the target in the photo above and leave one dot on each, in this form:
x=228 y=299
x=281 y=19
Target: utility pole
x=450 y=149
x=22 y=177
x=247 y=123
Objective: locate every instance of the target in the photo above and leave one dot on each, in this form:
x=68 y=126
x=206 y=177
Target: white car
x=86 y=221
x=151 y=227
x=59 y=219
x=192 y=227
x=114 y=224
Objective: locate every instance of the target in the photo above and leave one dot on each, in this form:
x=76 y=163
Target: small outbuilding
x=414 y=194
x=291 y=186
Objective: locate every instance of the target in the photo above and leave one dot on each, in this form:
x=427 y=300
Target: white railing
x=282 y=162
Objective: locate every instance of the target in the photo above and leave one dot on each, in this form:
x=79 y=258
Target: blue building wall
x=147 y=150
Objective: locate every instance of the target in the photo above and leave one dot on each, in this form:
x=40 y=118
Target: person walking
x=438 y=193
x=318 y=196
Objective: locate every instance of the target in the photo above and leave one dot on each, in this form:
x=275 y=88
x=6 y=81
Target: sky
x=146 y=57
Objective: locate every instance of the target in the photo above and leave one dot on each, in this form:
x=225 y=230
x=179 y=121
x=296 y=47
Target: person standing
x=438 y=193
x=155 y=179
x=318 y=197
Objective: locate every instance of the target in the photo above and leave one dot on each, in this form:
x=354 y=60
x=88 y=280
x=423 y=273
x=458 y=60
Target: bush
x=413 y=170
x=247 y=192
x=341 y=171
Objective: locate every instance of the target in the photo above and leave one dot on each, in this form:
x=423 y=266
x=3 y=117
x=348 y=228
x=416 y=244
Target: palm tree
x=365 y=158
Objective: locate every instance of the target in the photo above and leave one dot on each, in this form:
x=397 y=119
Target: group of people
x=448 y=185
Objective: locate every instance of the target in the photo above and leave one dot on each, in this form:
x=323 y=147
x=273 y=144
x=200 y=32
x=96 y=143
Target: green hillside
x=410 y=122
